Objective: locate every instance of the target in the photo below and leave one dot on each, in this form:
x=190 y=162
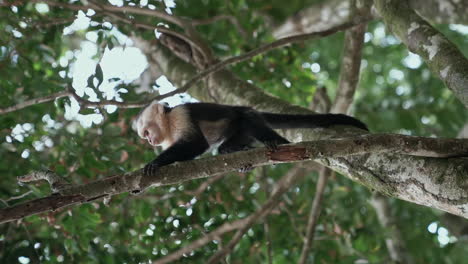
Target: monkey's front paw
x=246 y=168
x=150 y=169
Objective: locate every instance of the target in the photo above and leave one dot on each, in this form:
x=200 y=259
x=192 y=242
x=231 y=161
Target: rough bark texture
x=433 y=182
x=331 y=13
x=444 y=189
x=442 y=57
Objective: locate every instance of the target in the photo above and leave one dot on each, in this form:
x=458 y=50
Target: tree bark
x=441 y=55
x=331 y=13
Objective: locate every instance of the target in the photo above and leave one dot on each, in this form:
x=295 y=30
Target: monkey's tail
x=311 y=121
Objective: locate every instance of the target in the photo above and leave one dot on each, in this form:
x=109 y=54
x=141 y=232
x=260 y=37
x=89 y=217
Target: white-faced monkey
x=187 y=131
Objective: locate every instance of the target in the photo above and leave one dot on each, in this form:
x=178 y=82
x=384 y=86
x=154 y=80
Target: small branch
x=321 y=102
x=193 y=42
x=207 y=238
x=204 y=185
x=56 y=182
x=350 y=67
x=123 y=9
x=314 y=214
x=227 y=227
x=394 y=241
x=206 y=167
x=282 y=187
x=268 y=243
x=34 y=101
x=232 y=19
x=21 y=196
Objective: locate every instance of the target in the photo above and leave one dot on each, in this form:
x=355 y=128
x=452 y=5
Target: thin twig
x=34 y=101
x=124 y=9
x=224 y=228
x=282 y=187
x=314 y=213
x=19 y=196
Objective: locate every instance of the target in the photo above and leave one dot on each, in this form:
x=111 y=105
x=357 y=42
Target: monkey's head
x=152 y=125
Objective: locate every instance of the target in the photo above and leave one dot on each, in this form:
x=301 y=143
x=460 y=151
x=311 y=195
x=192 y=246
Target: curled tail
x=311 y=121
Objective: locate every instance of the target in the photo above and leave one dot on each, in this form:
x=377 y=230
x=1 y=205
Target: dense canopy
x=73 y=75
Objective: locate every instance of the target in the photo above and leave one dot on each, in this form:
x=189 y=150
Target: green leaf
x=90 y=81
x=99 y=75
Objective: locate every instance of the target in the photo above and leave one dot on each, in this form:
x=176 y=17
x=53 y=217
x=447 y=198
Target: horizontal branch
x=202 y=168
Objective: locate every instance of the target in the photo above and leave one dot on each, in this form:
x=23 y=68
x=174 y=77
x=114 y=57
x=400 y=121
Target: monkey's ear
x=160 y=108
x=134 y=124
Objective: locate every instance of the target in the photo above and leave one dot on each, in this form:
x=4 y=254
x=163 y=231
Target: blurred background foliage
x=395 y=94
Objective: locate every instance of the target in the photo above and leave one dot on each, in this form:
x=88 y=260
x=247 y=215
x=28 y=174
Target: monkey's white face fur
x=151 y=123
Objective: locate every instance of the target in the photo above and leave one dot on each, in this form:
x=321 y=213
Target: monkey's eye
x=145 y=133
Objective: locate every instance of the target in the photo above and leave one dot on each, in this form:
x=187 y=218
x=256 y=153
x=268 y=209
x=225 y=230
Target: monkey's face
x=149 y=124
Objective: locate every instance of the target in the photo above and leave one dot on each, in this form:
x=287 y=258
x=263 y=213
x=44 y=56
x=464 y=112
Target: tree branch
x=281 y=187
x=314 y=214
x=350 y=67
x=212 y=69
x=123 y=9
x=395 y=244
x=34 y=101
x=441 y=55
x=326 y=14
x=224 y=228
x=263 y=49
x=321 y=149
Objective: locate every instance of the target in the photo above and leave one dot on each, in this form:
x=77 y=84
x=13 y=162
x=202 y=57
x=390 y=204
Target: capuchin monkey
x=187 y=131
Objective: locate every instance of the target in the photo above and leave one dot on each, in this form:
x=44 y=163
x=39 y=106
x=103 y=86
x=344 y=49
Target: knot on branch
x=288 y=153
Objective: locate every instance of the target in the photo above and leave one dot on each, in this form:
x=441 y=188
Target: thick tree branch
x=431 y=190
x=333 y=12
x=441 y=55
x=123 y=9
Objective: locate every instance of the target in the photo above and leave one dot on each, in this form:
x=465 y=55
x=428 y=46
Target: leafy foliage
x=37 y=59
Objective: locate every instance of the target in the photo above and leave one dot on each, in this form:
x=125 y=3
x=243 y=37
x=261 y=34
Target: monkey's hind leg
x=256 y=126
x=237 y=142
